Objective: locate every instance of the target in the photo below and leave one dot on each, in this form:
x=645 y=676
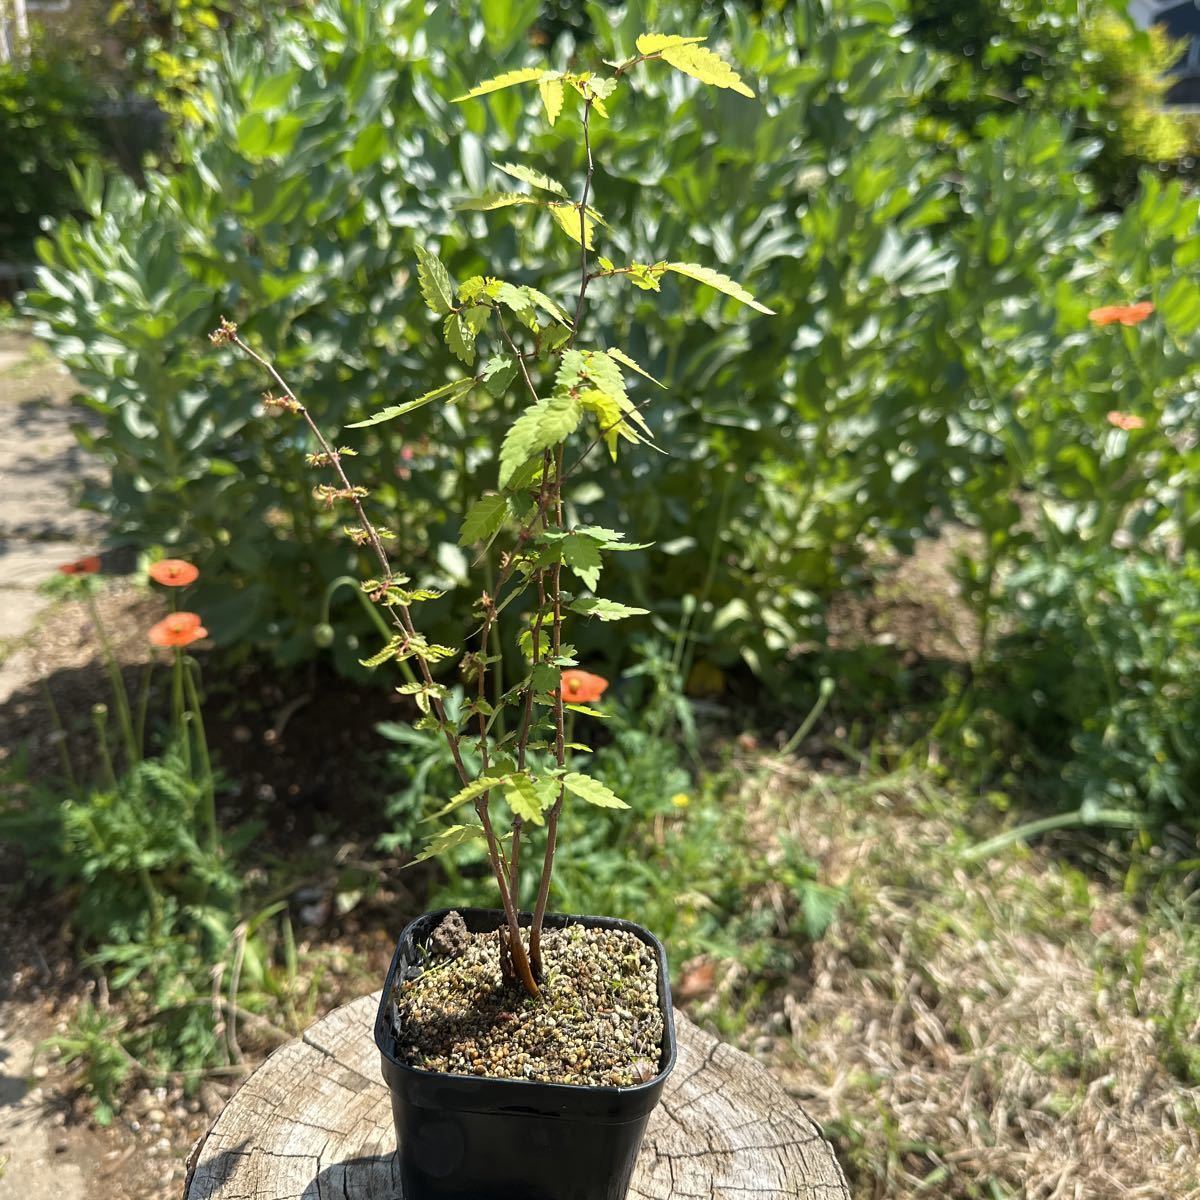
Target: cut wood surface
x=314 y=1122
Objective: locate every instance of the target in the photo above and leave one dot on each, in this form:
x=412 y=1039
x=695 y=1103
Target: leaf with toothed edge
x=436 y=285
x=484 y=518
x=539 y=427
x=551 y=91
x=533 y=178
x=722 y=283
x=448 y=391
x=655 y=43
x=499 y=82
x=446 y=839
x=703 y=64
x=592 y=790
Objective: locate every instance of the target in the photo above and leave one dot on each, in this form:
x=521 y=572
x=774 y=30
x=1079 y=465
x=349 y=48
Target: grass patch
x=1013 y=1027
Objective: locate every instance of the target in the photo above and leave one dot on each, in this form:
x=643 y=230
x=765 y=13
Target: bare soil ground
x=1017 y=1027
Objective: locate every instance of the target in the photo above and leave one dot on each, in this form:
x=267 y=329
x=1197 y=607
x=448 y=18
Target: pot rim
x=385 y=1039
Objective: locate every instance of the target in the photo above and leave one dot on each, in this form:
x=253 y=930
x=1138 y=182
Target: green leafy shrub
x=932 y=298
x=48 y=116
x=1062 y=58
x=1096 y=678
x=155 y=909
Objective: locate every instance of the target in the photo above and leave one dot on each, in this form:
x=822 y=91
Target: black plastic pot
x=466 y=1138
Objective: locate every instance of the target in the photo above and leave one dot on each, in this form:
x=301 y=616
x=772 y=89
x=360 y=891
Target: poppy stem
x=60 y=733
x=116 y=682
x=100 y=719
x=208 y=792
x=179 y=731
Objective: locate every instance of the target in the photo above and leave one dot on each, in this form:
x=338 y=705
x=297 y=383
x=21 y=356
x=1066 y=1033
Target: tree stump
x=314 y=1122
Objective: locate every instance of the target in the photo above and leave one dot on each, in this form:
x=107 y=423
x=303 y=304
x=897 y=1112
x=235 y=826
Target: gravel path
x=41 y=471
x=36 y=1164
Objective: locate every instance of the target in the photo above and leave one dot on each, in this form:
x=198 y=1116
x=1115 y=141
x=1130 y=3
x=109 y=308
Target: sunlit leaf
x=499 y=82
x=652 y=43
x=533 y=178
x=592 y=790
x=625 y=360
x=551 y=91
x=701 y=63
x=435 y=282
x=493 y=200
x=448 y=391
x=605 y=610
x=568 y=219
x=722 y=283
x=449 y=838
x=539 y=427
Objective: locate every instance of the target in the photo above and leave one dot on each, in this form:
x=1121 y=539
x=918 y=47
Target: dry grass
x=1004 y=1029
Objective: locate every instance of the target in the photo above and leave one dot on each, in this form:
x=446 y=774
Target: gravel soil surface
x=600 y=1022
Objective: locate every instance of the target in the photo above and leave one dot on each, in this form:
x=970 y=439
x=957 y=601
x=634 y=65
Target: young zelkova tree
x=568 y=390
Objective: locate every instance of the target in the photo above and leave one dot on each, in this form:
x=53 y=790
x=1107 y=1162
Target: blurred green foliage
x=47 y=126
x=1084 y=60
x=932 y=359
x=1094 y=677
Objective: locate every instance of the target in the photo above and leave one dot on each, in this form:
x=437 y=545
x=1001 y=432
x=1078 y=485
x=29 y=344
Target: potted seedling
x=524 y=1050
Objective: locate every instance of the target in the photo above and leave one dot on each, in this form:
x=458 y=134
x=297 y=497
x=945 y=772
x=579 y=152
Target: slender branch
x=401 y=617
x=539 y=911
x=583 y=259
x=398 y=613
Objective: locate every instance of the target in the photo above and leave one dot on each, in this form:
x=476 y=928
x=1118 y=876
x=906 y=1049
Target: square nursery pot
x=462 y=1137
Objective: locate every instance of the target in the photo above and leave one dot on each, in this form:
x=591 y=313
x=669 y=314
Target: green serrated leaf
x=552 y=307
x=652 y=43
x=485 y=517
x=551 y=91
x=566 y=215
x=493 y=200
x=534 y=178
x=436 y=286
x=498 y=373
x=592 y=790
x=448 y=391
x=388 y=652
x=703 y=64
x=609 y=419
x=449 y=838
x=545 y=678
x=605 y=610
x=527 y=799
x=539 y=427
x=499 y=82
x=582 y=555
x=593 y=367
x=472 y=791
x=722 y=283
x=460 y=337
x=625 y=360
x=517 y=299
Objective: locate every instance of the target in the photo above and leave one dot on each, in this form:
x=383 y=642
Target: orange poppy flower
x=81 y=566
x=1126 y=421
x=174 y=572
x=581 y=687
x=179 y=629
x=1126 y=314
